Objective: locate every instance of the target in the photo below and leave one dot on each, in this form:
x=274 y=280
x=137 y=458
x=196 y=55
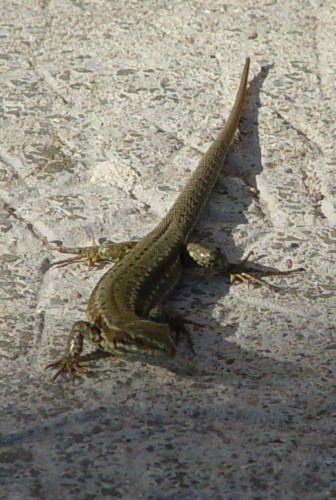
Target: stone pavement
x=106 y=107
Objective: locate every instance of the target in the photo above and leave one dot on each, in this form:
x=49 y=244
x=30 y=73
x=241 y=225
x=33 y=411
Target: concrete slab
x=105 y=110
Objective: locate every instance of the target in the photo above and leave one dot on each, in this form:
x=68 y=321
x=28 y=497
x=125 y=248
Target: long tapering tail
x=192 y=199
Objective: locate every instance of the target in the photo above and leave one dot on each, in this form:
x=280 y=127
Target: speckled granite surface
x=105 y=109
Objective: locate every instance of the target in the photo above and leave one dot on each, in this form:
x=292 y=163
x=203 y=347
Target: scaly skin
x=119 y=309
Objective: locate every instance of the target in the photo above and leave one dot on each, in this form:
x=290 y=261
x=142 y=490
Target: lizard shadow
x=237 y=181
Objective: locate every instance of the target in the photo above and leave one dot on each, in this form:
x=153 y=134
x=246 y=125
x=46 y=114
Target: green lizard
x=124 y=315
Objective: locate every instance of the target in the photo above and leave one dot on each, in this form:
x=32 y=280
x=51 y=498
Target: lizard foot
x=69 y=366
x=244 y=272
x=108 y=251
x=89 y=255
x=167 y=314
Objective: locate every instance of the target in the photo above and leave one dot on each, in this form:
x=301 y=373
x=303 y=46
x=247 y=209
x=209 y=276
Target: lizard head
x=144 y=339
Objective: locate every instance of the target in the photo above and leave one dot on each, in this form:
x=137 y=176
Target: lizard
x=124 y=311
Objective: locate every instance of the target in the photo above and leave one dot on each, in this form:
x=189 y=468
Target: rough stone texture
x=106 y=107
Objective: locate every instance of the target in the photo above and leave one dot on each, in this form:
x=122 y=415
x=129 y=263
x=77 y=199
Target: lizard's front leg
x=107 y=251
x=69 y=363
x=167 y=314
x=213 y=261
